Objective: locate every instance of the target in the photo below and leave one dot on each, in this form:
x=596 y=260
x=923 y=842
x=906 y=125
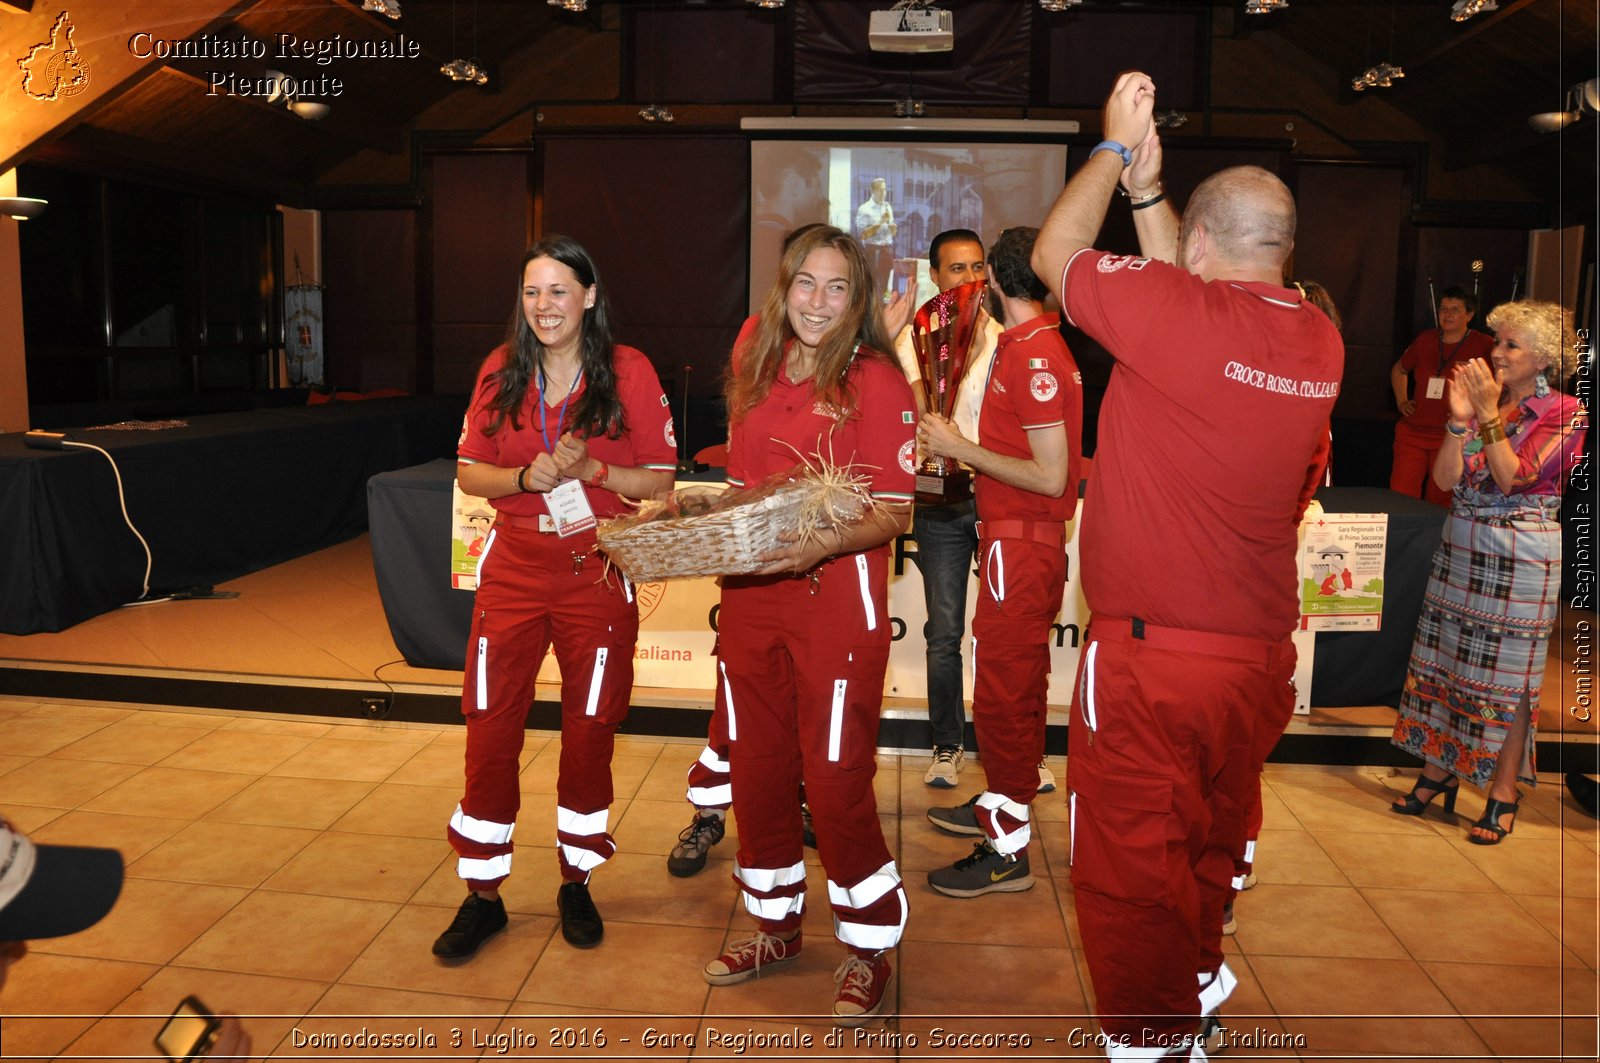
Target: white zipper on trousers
x=996 y=558
x=866 y=593
x=1086 y=694
x=627 y=590
x=477 y=571
x=596 y=681
x=1072 y=826
x=483 y=673
x=727 y=696
x=836 y=719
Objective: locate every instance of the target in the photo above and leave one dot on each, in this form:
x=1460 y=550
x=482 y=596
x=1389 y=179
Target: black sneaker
x=985 y=871
x=688 y=857
x=580 y=919
x=962 y=819
x=477 y=920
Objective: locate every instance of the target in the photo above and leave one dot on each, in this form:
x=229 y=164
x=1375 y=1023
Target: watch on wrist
x=1112 y=145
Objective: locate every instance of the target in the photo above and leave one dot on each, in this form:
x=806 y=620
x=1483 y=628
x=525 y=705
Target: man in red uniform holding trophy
x=1027 y=462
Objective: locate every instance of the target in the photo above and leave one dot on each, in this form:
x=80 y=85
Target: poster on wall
x=1341 y=572
x=470 y=521
x=302 y=326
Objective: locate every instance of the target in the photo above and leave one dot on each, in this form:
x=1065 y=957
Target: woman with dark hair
x=563 y=423
x=1471 y=700
x=805 y=640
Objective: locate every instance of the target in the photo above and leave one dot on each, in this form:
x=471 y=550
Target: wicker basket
x=729 y=539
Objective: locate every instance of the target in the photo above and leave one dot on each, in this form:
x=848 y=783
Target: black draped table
x=222 y=497
x=1369 y=667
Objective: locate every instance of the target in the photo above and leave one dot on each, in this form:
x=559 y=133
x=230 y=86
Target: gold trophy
x=942 y=336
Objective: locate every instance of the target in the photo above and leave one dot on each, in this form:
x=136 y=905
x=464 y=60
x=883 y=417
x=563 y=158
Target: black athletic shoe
x=580 y=920
x=688 y=857
x=477 y=920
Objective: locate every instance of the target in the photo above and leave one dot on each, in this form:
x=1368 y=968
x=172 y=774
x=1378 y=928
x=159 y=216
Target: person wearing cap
x=50 y=891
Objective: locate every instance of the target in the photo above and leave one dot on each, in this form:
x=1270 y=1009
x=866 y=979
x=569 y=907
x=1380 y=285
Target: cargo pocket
x=1118 y=840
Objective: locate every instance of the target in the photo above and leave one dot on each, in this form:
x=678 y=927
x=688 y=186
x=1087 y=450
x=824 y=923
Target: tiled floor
x=293 y=870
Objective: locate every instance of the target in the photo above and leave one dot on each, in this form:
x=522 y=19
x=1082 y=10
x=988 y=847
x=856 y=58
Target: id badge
x=569 y=507
x=1435 y=387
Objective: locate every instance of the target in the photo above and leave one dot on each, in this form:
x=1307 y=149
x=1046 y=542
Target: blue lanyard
x=548 y=446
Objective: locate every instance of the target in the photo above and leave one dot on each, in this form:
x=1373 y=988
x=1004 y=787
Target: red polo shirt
x=1429 y=356
x=1219 y=401
x=1033 y=383
x=877 y=438
x=648 y=442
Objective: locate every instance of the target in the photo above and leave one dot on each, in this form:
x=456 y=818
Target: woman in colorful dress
x=805 y=640
x=1471 y=700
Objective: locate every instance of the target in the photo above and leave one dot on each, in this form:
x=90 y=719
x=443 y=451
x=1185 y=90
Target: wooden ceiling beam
x=74 y=64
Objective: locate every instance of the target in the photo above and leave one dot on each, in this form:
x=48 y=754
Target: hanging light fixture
x=1382 y=76
x=1264 y=7
x=459 y=69
x=1462 y=10
x=22 y=207
x=1058 y=5
x=768 y=4
x=390 y=8
x=284 y=93
x=571 y=5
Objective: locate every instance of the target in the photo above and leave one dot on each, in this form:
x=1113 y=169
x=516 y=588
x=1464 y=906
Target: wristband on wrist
x=1112 y=145
x=1459 y=433
x=1125 y=194
x=522 y=485
x=1491 y=432
x=1150 y=201
x=601 y=475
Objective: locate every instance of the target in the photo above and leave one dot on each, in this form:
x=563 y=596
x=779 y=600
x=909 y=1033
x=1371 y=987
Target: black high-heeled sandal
x=1491 y=821
x=1412 y=805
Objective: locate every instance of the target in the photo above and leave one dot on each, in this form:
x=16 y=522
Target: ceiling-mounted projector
x=911 y=27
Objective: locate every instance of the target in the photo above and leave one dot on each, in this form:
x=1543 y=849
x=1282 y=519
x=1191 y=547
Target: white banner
x=677 y=618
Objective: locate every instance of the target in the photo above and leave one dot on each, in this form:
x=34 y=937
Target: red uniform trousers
x=1412 y=471
x=805 y=662
x=530 y=598
x=1020 y=586
x=1161 y=773
x=1276 y=712
x=710 y=781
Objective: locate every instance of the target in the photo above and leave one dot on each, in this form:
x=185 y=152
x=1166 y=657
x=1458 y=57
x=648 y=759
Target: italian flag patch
x=907 y=417
x=1037 y=363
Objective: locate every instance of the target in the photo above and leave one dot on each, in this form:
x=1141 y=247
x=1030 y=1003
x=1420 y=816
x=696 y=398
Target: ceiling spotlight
x=652 y=113
x=1058 y=5
x=571 y=5
x=1462 y=10
x=1171 y=119
x=768 y=4
x=22 y=208
x=465 y=70
x=1582 y=97
x=1264 y=7
x=284 y=91
x=910 y=107
x=1382 y=76
x=391 y=8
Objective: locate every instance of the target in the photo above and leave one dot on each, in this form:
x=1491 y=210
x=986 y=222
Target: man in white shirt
x=875 y=227
x=947 y=535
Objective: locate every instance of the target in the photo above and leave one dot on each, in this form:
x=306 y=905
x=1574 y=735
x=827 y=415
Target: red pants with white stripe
x=529 y=600
x=1275 y=714
x=1161 y=773
x=1020 y=585
x=805 y=662
x=710 y=784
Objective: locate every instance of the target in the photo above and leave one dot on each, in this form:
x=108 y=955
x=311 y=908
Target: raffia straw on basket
x=730 y=537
